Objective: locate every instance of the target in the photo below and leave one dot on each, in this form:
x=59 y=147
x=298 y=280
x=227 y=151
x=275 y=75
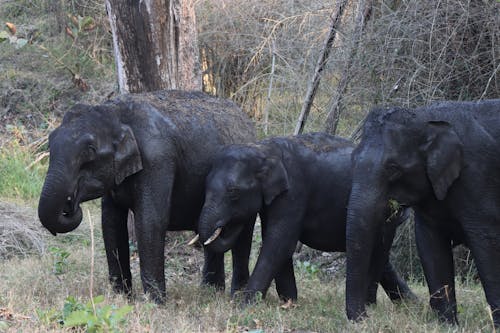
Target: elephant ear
x=274 y=179
x=444 y=156
x=127 y=159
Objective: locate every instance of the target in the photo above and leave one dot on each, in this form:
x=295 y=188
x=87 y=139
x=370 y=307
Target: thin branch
x=335 y=109
x=313 y=86
x=489 y=82
x=269 y=91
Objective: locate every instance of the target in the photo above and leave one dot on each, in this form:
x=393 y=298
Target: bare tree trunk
x=155 y=44
x=313 y=85
x=156 y=47
x=336 y=103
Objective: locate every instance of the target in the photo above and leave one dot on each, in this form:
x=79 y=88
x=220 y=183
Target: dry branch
x=334 y=111
x=325 y=52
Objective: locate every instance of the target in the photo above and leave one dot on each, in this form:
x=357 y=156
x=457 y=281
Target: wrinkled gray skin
x=149 y=153
x=300 y=187
x=444 y=161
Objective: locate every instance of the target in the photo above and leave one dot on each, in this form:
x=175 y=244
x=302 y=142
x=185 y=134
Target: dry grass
x=18 y=234
x=29 y=285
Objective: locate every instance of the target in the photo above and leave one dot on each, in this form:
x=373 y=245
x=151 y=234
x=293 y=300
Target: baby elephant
x=300 y=187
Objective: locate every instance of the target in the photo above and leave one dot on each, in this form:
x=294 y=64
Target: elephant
x=148 y=153
x=443 y=160
x=299 y=186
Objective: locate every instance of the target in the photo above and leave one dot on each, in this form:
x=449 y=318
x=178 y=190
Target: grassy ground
x=39 y=290
x=45 y=280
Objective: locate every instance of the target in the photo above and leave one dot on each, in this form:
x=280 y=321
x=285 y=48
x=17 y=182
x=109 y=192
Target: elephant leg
x=213 y=270
x=395 y=287
x=485 y=249
x=436 y=255
x=285 y=282
x=241 y=256
x=152 y=211
x=279 y=240
x=115 y=234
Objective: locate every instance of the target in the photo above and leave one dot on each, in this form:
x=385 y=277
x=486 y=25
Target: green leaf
x=4 y=35
x=21 y=42
x=4 y=326
x=97 y=300
x=120 y=313
x=86 y=22
x=78 y=318
x=71 y=305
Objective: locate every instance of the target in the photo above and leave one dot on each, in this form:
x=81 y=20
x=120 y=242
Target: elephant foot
x=155 y=294
x=238 y=288
x=356 y=313
x=216 y=285
x=286 y=298
x=216 y=281
x=121 y=286
x=247 y=298
x=446 y=313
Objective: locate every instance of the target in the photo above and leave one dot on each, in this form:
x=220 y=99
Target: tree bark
x=325 y=52
x=155 y=44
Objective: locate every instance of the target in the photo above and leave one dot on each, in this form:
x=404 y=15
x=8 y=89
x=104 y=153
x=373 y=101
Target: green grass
x=19 y=178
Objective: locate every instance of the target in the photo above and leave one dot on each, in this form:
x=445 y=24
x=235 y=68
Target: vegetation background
x=54 y=53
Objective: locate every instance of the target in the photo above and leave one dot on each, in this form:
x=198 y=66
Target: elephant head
x=242 y=179
x=402 y=156
x=90 y=153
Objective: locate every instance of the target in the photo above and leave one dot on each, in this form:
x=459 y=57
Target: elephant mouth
x=70 y=208
x=72 y=204
x=224 y=235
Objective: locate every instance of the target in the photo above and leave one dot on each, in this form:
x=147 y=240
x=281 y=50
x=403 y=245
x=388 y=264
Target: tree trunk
x=155 y=44
x=325 y=52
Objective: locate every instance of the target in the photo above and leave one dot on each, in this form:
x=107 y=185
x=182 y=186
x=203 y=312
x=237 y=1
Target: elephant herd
x=188 y=161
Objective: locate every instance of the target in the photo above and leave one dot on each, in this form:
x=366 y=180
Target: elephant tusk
x=194 y=240
x=214 y=236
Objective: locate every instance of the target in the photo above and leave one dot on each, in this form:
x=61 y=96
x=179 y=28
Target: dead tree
x=155 y=44
x=335 y=105
x=323 y=58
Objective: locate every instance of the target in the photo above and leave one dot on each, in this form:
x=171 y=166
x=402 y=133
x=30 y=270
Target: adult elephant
x=444 y=161
x=300 y=187
x=149 y=153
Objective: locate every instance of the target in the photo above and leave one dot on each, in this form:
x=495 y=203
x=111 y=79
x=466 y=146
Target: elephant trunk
x=58 y=208
x=364 y=216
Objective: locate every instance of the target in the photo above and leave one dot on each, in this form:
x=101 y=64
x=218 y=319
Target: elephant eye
x=233 y=193
x=90 y=153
